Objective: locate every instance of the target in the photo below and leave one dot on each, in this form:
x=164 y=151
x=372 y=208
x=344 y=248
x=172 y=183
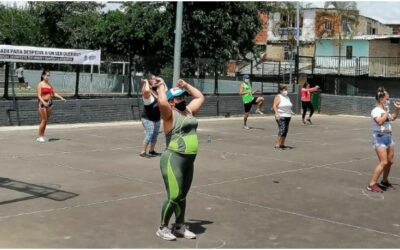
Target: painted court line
x=103 y=173
x=299 y=214
x=80 y=205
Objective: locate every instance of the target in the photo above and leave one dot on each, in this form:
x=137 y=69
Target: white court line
x=130 y=123
x=358 y=172
x=111 y=124
x=103 y=173
x=25 y=156
x=282 y=172
x=81 y=205
x=298 y=214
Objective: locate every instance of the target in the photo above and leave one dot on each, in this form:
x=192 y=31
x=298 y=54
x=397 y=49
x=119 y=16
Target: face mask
x=387 y=103
x=181 y=106
x=246 y=80
x=284 y=92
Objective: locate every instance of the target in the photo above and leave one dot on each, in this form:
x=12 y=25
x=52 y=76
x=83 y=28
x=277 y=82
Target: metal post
x=77 y=81
x=297 y=41
x=6 y=80
x=130 y=71
x=178 y=39
x=262 y=79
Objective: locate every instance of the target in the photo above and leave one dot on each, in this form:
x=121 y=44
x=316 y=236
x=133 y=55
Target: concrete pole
x=178 y=39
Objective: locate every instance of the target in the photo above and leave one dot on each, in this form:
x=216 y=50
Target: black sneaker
x=387 y=185
x=154 y=153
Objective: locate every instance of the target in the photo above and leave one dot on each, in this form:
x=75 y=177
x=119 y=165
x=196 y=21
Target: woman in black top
x=151 y=115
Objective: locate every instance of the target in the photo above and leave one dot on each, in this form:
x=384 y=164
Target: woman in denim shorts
x=382 y=139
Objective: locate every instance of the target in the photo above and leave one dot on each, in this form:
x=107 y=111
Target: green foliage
x=18 y=26
x=65 y=24
x=213 y=32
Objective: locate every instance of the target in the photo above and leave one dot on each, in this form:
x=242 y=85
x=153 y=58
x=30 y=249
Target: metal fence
x=350 y=66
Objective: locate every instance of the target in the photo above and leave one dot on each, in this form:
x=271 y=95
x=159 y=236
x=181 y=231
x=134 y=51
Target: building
x=370 y=26
x=395 y=28
x=315 y=24
x=372 y=55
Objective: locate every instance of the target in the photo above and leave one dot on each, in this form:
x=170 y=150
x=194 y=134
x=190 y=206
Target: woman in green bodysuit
x=176 y=162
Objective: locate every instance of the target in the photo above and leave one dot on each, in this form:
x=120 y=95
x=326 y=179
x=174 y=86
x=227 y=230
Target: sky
x=383 y=11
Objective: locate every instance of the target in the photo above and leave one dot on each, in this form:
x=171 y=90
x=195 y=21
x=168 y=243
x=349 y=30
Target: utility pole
x=297 y=41
x=178 y=39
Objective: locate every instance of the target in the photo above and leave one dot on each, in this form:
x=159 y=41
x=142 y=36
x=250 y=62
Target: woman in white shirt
x=283 y=113
x=382 y=139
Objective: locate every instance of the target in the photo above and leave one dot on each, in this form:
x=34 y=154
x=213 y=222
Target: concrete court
x=88 y=188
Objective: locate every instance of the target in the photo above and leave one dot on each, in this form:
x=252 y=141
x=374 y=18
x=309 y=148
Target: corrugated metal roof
x=365 y=37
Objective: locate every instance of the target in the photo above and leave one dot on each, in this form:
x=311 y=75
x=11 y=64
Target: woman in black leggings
x=306 y=92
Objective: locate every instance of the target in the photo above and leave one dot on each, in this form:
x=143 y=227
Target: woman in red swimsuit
x=45 y=93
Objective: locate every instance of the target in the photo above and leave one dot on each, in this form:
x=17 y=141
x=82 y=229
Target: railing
x=380 y=66
x=354 y=66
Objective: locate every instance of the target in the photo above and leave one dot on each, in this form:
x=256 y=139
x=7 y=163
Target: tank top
x=249 y=96
x=183 y=137
x=285 y=106
x=152 y=112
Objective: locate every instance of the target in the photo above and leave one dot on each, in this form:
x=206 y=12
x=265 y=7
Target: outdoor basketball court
x=88 y=188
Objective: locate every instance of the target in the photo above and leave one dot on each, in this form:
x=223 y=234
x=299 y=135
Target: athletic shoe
x=154 y=153
x=144 y=155
x=183 y=231
x=41 y=139
x=245 y=127
x=387 y=185
x=259 y=112
x=374 y=188
x=165 y=233
x=309 y=121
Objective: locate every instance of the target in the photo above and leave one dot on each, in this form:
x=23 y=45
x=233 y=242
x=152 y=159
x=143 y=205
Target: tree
x=66 y=24
x=18 y=26
x=218 y=31
x=141 y=30
x=348 y=21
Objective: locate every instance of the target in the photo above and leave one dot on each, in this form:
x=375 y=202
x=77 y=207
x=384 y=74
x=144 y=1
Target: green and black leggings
x=177 y=172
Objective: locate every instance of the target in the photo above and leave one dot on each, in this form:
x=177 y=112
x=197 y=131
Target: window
x=287 y=53
x=346 y=27
x=349 y=52
x=369 y=28
x=328 y=25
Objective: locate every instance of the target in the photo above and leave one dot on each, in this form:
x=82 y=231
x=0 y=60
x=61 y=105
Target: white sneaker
x=184 y=232
x=165 y=234
x=40 y=139
x=245 y=127
x=259 y=112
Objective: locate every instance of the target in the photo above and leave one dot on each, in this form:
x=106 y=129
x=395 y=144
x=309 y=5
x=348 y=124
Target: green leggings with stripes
x=177 y=172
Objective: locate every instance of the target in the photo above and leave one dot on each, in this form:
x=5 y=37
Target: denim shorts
x=382 y=140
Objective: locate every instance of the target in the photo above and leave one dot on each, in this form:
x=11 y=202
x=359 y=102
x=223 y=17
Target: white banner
x=10 y=53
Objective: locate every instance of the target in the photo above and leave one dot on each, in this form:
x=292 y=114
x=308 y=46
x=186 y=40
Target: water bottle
x=209 y=139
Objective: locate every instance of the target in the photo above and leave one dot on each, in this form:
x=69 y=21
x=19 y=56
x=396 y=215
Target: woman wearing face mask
x=177 y=161
x=249 y=100
x=382 y=139
x=45 y=93
x=283 y=112
x=306 y=92
x=150 y=115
